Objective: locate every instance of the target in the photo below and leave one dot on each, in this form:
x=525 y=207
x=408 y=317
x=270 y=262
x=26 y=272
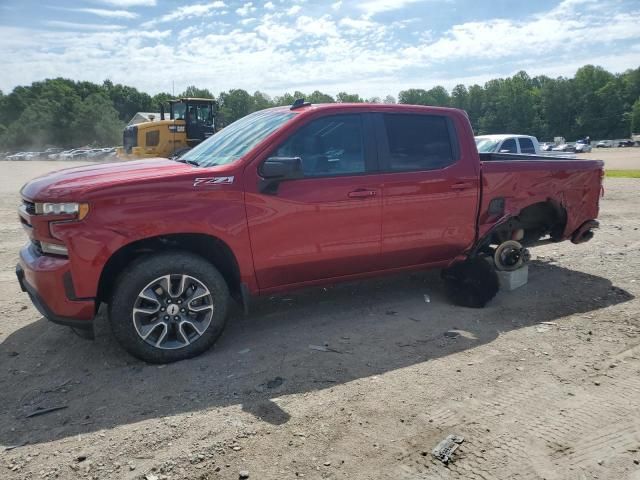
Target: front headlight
x=71 y=208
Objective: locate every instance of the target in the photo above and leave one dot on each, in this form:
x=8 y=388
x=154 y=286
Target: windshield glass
x=232 y=142
x=486 y=145
x=179 y=110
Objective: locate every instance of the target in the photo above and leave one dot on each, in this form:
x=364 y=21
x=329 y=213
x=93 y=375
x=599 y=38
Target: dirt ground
x=616 y=158
x=544 y=383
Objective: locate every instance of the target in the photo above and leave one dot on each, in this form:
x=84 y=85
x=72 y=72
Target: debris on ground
x=444 y=450
x=13 y=447
x=427 y=298
x=323 y=348
x=243 y=474
x=451 y=334
x=275 y=383
x=42 y=411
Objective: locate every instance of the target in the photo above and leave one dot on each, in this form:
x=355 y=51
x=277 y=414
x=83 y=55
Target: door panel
x=326 y=224
x=427 y=215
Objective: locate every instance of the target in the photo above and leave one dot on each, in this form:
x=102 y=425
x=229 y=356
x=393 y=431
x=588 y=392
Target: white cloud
x=294 y=9
x=130 y=3
x=100 y=12
x=269 y=6
x=336 y=5
x=246 y=9
x=81 y=26
x=358 y=23
x=560 y=29
x=187 y=11
x=355 y=53
x=373 y=7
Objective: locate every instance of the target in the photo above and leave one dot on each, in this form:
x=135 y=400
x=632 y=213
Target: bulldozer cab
x=198 y=115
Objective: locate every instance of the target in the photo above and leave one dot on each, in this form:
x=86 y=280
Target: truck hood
x=72 y=184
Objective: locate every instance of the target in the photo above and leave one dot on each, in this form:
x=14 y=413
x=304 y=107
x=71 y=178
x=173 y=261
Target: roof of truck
x=503 y=136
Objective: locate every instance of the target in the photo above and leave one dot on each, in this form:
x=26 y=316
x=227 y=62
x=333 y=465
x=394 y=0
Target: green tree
x=261 y=101
x=635 y=118
x=128 y=100
x=414 y=96
x=234 y=104
x=344 y=97
x=194 y=92
x=96 y=122
x=319 y=97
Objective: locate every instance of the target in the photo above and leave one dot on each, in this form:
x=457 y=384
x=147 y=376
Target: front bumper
x=48 y=282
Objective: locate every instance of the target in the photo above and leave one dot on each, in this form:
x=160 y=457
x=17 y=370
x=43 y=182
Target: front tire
x=168 y=307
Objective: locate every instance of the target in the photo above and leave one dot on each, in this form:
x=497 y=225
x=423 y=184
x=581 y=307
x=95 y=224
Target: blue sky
x=372 y=47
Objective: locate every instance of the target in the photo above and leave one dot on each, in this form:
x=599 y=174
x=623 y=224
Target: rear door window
x=418 y=142
x=509 y=146
x=526 y=146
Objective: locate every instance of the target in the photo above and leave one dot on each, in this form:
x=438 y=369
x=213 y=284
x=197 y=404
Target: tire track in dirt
x=557 y=436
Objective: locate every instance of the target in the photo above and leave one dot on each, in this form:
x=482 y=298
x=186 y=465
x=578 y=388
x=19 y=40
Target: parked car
x=507 y=143
x=626 y=143
x=563 y=147
x=604 y=144
x=547 y=146
x=17 y=156
x=581 y=146
x=285 y=198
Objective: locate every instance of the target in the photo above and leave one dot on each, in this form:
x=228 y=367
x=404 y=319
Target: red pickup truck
x=284 y=198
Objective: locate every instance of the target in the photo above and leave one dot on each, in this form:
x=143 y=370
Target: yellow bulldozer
x=191 y=120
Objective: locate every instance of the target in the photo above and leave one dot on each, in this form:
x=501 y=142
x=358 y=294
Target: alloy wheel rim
x=173 y=311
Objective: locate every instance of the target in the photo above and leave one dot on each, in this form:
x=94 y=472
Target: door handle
x=362 y=193
x=462 y=186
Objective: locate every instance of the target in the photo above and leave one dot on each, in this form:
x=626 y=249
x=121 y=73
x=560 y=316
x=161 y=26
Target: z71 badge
x=213 y=181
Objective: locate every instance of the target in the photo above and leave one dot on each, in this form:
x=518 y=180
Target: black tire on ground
x=472 y=283
x=139 y=275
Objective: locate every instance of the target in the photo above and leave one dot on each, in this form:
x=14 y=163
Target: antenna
x=299 y=103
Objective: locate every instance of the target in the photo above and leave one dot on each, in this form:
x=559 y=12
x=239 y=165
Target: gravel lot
x=616 y=158
x=543 y=383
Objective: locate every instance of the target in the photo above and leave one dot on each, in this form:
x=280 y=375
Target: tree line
x=595 y=102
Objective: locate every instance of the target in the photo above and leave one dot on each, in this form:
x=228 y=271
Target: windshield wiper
x=185 y=160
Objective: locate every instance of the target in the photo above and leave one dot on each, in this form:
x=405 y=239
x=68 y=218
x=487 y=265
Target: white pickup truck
x=513 y=143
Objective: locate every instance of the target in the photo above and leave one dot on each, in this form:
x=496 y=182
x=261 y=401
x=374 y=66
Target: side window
x=509 y=146
x=328 y=146
x=526 y=145
x=418 y=142
x=152 y=138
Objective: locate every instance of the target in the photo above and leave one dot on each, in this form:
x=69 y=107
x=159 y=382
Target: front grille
x=129 y=138
x=30 y=207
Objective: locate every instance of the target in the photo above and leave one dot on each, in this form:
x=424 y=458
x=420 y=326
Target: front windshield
x=486 y=145
x=179 y=110
x=232 y=142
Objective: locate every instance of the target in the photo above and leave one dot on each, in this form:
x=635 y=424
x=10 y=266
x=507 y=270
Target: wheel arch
x=537 y=219
x=211 y=248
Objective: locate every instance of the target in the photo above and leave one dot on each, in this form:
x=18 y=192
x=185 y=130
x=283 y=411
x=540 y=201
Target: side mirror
x=277 y=169
x=281 y=168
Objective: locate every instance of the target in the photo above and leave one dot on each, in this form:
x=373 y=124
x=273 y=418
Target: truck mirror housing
x=277 y=169
x=283 y=168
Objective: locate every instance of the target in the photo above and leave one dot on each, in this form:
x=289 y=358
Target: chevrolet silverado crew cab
x=280 y=199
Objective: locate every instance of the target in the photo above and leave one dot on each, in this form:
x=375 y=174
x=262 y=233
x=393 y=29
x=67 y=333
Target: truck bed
x=522 y=180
